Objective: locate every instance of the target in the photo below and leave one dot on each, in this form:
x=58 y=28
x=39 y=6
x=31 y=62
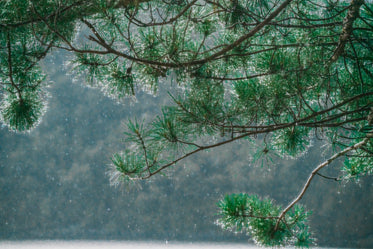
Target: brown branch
x=226 y=49
x=315 y=172
x=304 y=121
x=52 y=15
x=10 y=68
x=111 y=50
x=87 y=12
x=324 y=164
x=329 y=118
x=298 y=26
x=145 y=151
x=256 y=130
x=248 y=35
x=201 y=148
x=347 y=29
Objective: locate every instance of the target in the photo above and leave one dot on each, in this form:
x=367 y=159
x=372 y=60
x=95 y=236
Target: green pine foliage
x=360 y=164
x=22 y=115
x=121 y=81
x=292 y=141
x=284 y=71
x=258 y=218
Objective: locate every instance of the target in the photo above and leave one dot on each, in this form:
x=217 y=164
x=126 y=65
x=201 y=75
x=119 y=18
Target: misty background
x=54 y=182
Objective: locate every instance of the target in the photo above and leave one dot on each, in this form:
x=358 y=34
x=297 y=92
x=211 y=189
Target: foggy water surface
x=116 y=245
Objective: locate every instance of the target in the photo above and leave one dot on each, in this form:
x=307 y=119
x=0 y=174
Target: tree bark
x=347 y=29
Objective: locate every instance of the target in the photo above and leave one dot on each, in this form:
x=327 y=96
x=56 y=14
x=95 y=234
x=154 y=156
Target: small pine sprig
x=259 y=217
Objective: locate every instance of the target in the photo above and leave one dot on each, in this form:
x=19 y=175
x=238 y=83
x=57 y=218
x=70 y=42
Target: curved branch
x=201 y=148
x=248 y=35
x=315 y=172
x=256 y=130
x=324 y=164
x=226 y=49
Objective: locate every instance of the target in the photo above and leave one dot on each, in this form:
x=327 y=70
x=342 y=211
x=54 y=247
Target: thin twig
x=328 y=177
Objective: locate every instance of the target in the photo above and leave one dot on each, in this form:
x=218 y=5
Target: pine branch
x=10 y=69
x=223 y=51
x=347 y=29
x=324 y=164
x=39 y=19
x=256 y=130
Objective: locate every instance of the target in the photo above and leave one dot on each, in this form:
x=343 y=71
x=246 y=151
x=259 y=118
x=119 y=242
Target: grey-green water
x=86 y=244
x=117 y=245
